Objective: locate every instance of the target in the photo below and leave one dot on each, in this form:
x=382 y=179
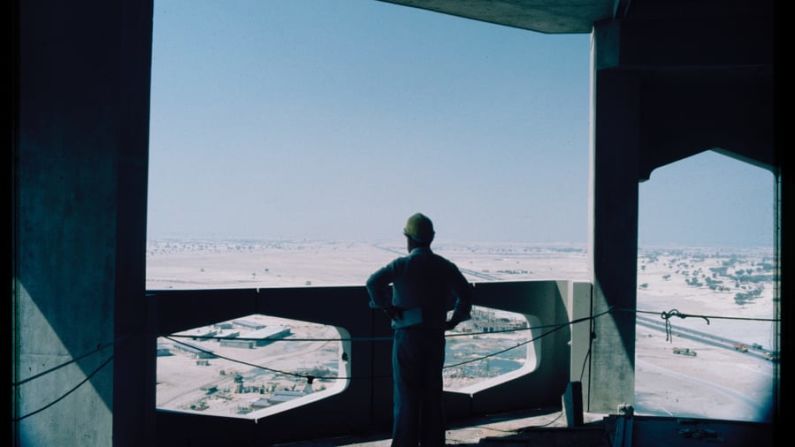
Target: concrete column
x=613 y=228
x=580 y=306
x=135 y=375
x=79 y=223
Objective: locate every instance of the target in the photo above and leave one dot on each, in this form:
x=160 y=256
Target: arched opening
x=706 y=248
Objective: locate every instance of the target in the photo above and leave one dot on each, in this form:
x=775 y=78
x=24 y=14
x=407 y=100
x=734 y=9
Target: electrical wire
x=99 y=348
x=556 y=327
x=667 y=315
x=364 y=339
x=63 y=396
x=477 y=359
x=310 y=377
x=215 y=337
x=582 y=374
x=386 y=338
x=664 y=315
x=675 y=313
x=543 y=425
x=585 y=362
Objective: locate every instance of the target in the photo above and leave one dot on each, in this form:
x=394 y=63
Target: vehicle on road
x=685 y=351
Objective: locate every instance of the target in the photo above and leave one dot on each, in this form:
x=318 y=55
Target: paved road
x=703 y=337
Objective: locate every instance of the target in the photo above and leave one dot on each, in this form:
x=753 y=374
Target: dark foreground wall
x=79 y=223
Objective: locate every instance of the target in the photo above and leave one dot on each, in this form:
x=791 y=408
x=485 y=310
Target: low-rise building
x=266 y=335
x=197 y=352
x=199 y=333
x=249 y=323
x=236 y=343
x=163 y=350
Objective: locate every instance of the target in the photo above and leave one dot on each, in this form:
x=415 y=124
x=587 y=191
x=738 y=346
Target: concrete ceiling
x=546 y=16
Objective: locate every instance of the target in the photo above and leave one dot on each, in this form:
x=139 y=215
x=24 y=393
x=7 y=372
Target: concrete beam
x=692 y=43
x=545 y=16
x=706 y=82
x=687 y=113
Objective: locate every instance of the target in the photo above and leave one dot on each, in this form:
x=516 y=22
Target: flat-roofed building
x=236 y=343
x=249 y=323
x=225 y=325
x=228 y=333
x=163 y=350
x=198 y=352
x=268 y=334
x=199 y=333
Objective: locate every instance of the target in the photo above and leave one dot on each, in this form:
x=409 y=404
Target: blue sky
x=338 y=119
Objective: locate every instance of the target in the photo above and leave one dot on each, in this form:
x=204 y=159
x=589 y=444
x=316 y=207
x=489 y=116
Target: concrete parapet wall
x=366 y=405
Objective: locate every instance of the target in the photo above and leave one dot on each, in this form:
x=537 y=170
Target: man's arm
x=378 y=289
x=463 y=305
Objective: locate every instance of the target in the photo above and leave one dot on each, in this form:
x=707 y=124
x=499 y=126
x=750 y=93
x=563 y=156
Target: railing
x=365 y=404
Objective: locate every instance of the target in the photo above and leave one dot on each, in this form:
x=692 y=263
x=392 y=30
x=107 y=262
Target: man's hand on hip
x=394 y=313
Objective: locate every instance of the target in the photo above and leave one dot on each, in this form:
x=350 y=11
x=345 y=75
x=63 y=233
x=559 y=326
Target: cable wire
x=477 y=359
x=215 y=337
x=582 y=374
x=667 y=315
x=557 y=328
x=543 y=425
x=63 y=396
x=365 y=339
x=100 y=347
x=585 y=362
x=676 y=313
x=310 y=377
x=389 y=338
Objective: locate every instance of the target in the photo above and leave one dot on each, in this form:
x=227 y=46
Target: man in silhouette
x=425 y=287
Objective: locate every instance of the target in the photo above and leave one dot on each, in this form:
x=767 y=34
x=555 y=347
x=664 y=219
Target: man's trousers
x=417 y=361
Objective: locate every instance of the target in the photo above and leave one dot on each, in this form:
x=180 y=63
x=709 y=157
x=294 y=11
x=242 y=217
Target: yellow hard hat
x=420 y=228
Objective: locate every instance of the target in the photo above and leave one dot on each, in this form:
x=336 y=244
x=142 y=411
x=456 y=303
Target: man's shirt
x=423 y=280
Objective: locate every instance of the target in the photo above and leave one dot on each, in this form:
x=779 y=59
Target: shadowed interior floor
x=547 y=428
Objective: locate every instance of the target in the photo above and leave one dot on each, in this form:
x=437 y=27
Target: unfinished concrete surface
x=79 y=224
